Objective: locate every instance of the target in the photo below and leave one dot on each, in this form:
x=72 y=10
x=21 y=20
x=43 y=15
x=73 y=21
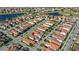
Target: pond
x=55 y=14
x=9 y=16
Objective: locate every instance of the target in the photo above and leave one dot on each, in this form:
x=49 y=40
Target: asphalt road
x=71 y=37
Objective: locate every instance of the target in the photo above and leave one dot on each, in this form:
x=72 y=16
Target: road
x=71 y=37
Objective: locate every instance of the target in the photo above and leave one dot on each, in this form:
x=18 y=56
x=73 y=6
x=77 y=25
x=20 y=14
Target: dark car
x=25 y=49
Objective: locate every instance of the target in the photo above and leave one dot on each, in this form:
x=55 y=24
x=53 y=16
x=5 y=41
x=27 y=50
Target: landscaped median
x=74 y=46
